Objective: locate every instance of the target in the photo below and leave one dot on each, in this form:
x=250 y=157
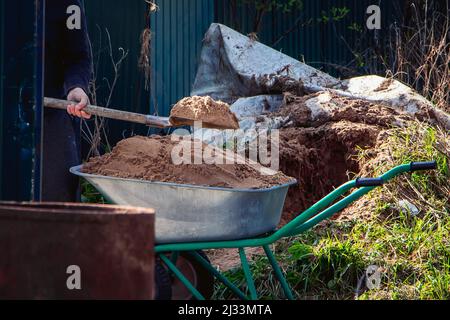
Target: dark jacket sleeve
x=77 y=54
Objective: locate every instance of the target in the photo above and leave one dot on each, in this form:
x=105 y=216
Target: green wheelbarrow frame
x=322 y=210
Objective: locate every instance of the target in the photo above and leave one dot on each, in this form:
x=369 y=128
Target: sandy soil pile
x=215 y=114
x=321 y=153
x=150 y=158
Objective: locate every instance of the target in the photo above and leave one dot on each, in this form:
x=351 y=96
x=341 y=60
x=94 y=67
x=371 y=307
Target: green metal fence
x=178 y=29
x=306 y=35
x=116 y=24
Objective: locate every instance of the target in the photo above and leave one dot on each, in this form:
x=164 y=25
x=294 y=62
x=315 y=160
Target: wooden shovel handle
x=152 y=121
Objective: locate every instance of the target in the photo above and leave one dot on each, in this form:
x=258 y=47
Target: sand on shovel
x=213 y=114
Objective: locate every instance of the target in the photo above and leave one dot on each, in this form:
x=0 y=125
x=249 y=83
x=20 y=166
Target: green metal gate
x=21 y=84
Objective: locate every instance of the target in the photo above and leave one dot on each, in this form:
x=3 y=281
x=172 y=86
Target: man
x=68 y=70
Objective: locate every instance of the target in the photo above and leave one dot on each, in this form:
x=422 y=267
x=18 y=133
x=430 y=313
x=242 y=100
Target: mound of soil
x=340 y=109
x=321 y=151
x=150 y=158
x=321 y=159
x=213 y=114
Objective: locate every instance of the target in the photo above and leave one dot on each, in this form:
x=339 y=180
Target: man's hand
x=81 y=97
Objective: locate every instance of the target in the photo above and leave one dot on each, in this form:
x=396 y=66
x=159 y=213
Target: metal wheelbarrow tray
x=187 y=213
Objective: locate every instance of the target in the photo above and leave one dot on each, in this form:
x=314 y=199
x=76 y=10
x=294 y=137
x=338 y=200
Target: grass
x=412 y=252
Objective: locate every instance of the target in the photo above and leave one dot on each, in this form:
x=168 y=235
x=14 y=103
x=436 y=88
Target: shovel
x=148 y=120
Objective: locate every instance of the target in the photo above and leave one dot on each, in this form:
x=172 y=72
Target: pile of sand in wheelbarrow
x=213 y=114
x=150 y=158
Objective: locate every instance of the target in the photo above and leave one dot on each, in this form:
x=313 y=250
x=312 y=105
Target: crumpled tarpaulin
x=233 y=66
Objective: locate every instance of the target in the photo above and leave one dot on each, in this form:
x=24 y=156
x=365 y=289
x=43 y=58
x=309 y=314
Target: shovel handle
x=151 y=121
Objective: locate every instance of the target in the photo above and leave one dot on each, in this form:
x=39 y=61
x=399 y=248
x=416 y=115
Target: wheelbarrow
x=191 y=247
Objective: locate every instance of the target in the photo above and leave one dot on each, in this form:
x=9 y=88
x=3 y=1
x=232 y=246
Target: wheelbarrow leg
x=248 y=274
x=279 y=273
x=181 y=277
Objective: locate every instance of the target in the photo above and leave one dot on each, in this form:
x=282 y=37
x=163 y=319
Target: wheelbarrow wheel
x=163 y=283
x=201 y=279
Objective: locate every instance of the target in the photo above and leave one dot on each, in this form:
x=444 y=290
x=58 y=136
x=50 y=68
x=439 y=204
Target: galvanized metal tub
x=186 y=213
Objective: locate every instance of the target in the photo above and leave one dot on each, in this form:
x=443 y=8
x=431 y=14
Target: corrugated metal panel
x=179 y=27
x=320 y=44
x=18 y=87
